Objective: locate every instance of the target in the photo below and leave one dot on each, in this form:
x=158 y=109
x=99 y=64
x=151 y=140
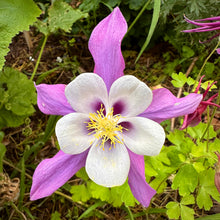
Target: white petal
x=86 y=93
x=108 y=167
x=129 y=96
x=72 y=133
x=144 y=136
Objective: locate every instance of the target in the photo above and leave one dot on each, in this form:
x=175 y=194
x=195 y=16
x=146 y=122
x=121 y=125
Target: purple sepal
x=51 y=99
x=166 y=106
x=136 y=180
x=52 y=173
x=105 y=47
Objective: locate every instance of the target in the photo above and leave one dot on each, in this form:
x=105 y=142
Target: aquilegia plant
x=109 y=120
x=206 y=26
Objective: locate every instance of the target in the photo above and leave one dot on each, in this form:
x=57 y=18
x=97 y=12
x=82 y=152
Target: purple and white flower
x=109 y=120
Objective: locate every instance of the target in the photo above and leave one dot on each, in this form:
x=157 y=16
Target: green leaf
x=80 y=193
x=210 y=217
x=2 y=154
x=89 y=5
x=18 y=98
x=184 y=144
x=90 y=210
x=187 y=52
x=15 y=16
x=198 y=166
x=111 y=3
x=190 y=81
x=188 y=200
x=1 y=136
x=158 y=183
x=207 y=188
x=82 y=174
x=127 y=197
x=209 y=68
x=186 y=213
x=197 y=131
x=154 y=21
x=177 y=137
x=134 y=4
x=186 y=180
x=173 y=210
x=122 y=194
x=99 y=192
x=62 y=16
x=178 y=79
x=55 y=216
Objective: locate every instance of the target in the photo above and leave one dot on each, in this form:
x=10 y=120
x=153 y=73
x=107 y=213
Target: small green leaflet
x=207 y=188
x=80 y=193
x=186 y=213
x=115 y=195
x=17 y=97
x=15 y=16
x=197 y=131
x=210 y=217
x=60 y=16
x=175 y=209
x=180 y=79
x=186 y=180
x=55 y=216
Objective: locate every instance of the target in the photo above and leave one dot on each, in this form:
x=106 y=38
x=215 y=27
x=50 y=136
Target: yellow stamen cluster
x=105 y=127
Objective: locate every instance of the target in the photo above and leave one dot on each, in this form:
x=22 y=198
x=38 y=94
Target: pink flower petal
x=218 y=50
x=105 y=47
x=51 y=99
x=54 y=172
x=136 y=180
x=165 y=105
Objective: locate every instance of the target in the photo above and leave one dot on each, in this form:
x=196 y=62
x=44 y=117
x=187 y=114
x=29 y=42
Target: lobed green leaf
x=15 y=16
x=19 y=95
x=186 y=180
x=62 y=16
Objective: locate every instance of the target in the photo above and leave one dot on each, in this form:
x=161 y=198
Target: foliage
x=15 y=16
x=115 y=196
x=17 y=97
x=188 y=164
x=60 y=16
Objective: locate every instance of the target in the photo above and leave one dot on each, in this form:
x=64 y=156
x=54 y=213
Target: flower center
x=105 y=127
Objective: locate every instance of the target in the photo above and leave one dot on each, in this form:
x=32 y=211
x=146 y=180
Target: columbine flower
x=194 y=118
x=109 y=120
x=205 y=26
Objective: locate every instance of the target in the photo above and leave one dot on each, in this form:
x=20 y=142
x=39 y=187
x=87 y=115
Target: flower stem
x=210 y=121
x=39 y=57
x=206 y=60
x=138 y=16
